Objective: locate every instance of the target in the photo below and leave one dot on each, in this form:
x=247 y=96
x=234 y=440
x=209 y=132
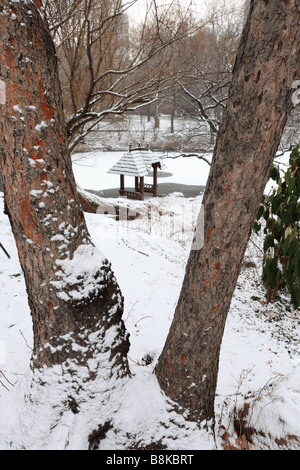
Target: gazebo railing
x=148 y=188
x=131 y=194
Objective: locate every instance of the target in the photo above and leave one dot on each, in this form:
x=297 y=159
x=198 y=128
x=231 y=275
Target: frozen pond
x=188 y=175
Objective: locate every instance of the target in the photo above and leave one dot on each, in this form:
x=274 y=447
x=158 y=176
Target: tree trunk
x=259 y=103
x=156 y=115
x=73 y=295
x=173 y=111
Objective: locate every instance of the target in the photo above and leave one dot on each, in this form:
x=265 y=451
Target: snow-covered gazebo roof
x=137 y=162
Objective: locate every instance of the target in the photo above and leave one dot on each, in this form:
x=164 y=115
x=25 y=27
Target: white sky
x=198 y=6
x=141 y=5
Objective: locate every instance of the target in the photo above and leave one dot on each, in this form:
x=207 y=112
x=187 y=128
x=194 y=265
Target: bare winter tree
x=211 y=54
x=73 y=295
x=205 y=86
x=259 y=102
x=108 y=67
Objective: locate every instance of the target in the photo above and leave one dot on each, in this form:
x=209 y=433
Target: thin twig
x=131 y=310
x=21 y=332
x=138 y=251
x=8 y=381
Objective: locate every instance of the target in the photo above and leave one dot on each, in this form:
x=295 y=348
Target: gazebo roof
x=150 y=158
x=136 y=162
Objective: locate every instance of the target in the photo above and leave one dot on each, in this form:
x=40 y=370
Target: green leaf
x=266 y=214
x=291 y=185
x=268 y=242
x=278 y=277
x=256 y=228
x=260 y=212
x=298 y=296
x=295 y=295
x=270 y=272
x=296 y=260
x=275 y=174
x=298 y=211
x=276 y=203
x=278 y=232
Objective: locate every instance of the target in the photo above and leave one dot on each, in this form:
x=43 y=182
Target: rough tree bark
x=74 y=298
x=259 y=103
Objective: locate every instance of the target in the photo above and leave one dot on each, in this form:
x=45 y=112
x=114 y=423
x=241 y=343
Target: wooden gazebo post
x=122 y=184
x=154 y=179
x=142 y=187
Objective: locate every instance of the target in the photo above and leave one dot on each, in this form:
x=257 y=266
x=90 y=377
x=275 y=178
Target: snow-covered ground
x=259 y=363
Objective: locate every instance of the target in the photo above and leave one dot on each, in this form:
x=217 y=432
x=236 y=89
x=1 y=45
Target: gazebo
x=138 y=162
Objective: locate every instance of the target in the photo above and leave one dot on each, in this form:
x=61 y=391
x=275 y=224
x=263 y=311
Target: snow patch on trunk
x=79 y=277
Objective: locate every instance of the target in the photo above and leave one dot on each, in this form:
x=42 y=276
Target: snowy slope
x=259 y=360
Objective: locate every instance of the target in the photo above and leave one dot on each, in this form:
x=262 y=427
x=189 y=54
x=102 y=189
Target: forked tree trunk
x=259 y=103
x=73 y=295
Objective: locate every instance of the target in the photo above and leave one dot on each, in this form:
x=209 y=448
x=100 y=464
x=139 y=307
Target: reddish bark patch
x=38 y=43
x=214 y=309
x=62 y=175
x=50 y=311
x=38 y=4
x=28 y=223
x=35 y=157
x=44 y=178
x=18 y=166
x=44 y=106
x=21 y=256
x=35 y=153
x=217 y=268
x=10 y=60
x=209 y=233
x=195 y=289
x=60 y=137
x=27 y=76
